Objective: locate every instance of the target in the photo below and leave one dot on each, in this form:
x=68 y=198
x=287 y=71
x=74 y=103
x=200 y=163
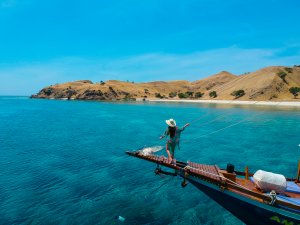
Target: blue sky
x=47 y=42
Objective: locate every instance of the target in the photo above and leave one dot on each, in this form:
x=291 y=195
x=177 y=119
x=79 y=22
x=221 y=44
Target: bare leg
x=169 y=154
x=173 y=159
x=172 y=156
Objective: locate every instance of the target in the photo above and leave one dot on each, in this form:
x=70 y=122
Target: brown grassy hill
x=270 y=83
x=212 y=82
x=112 y=90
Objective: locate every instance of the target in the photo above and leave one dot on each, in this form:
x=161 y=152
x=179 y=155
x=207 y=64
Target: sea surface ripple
x=64 y=162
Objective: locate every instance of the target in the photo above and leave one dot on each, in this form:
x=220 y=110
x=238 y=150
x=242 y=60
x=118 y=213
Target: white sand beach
x=235 y=102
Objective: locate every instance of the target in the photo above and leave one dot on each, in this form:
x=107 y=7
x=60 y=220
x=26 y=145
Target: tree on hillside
x=182 y=95
x=48 y=91
x=172 y=94
x=288 y=69
x=198 y=94
x=189 y=93
x=213 y=94
x=282 y=75
x=294 y=91
x=238 y=93
x=158 y=95
x=70 y=92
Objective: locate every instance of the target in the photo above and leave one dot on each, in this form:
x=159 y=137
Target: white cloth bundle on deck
x=268 y=181
x=150 y=150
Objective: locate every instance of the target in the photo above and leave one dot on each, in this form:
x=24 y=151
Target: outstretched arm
x=163 y=135
x=186 y=125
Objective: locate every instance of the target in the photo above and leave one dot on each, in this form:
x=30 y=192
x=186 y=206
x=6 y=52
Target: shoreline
x=224 y=102
x=231 y=102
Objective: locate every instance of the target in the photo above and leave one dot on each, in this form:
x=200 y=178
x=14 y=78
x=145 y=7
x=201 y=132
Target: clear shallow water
x=63 y=162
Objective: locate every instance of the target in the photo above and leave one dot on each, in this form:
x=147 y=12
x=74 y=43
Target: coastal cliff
x=270 y=83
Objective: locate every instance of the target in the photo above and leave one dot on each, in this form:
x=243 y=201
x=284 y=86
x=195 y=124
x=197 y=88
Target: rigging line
x=225 y=85
x=221 y=129
x=211 y=121
x=216 y=131
x=195 y=120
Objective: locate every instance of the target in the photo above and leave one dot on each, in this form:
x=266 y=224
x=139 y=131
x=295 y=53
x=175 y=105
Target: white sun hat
x=171 y=122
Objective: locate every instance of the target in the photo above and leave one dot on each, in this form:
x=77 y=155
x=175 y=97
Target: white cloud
x=28 y=78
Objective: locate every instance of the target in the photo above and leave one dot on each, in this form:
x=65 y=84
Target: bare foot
x=173 y=161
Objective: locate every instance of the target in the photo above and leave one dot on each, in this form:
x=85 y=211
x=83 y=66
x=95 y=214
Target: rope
x=216 y=131
x=195 y=120
x=223 y=128
x=225 y=86
x=211 y=121
x=273 y=197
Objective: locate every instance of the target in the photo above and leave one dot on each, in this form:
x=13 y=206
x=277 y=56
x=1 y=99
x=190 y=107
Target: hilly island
x=272 y=83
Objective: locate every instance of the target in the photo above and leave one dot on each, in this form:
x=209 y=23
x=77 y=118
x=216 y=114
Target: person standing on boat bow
x=173 y=132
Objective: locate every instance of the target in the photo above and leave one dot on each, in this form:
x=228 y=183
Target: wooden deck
x=206 y=170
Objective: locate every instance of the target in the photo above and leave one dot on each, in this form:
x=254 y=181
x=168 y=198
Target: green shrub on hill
x=288 y=69
x=238 y=93
x=189 y=94
x=282 y=75
x=172 y=94
x=182 y=95
x=158 y=95
x=294 y=91
x=198 y=94
x=48 y=91
x=213 y=94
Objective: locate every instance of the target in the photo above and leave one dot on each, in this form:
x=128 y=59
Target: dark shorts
x=171 y=147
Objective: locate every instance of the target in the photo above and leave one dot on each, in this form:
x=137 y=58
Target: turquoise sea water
x=63 y=162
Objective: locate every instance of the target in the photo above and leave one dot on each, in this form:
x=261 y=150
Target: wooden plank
x=202 y=169
x=209 y=172
x=199 y=169
x=213 y=170
x=206 y=170
x=219 y=178
x=195 y=168
x=191 y=165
